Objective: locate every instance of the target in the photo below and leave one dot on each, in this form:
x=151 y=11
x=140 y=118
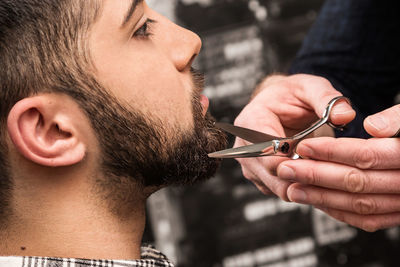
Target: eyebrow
x=131 y=10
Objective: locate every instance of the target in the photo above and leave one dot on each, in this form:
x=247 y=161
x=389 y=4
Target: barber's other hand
x=354 y=180
x=282 y=106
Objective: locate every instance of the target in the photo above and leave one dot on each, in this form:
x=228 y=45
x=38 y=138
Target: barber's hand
x=283 y=106
x=354 y=180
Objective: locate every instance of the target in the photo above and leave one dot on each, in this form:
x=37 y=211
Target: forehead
x=109 y=27
x=117 y=13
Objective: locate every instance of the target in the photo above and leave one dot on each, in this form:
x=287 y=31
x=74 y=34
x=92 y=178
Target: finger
x=262 y=187
x=258 y=117
x=340 y=177
x=252 y=177
x=385 y=123
x=369 y=223
x=295 y=99
x=274 y=183
x=317 y=92
x=260 y=172
x=374 y=153
x=364 y=204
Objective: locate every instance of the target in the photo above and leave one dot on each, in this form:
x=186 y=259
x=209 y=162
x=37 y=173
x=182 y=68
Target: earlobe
x=43 y=131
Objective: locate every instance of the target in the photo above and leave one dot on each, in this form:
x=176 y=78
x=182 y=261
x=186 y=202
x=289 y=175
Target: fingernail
x=342 y=108
x=378 y=122
x=298 y=196
x=286 y=172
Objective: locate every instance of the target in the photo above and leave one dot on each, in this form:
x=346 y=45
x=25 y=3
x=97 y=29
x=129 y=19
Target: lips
x=204 y=103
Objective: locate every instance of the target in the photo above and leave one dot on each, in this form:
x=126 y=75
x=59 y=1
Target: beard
x=140 y=150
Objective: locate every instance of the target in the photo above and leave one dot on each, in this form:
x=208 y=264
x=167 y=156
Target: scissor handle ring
x=328 y=110
x=336 y=127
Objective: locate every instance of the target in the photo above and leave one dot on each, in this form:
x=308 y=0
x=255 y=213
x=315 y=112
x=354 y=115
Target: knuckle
x=370 y=225
x=355 y=181
x=239 y=120
x=266 y=191
x=242 y=162
x=313 y=177
x=310 y=78
x=396 y=110
x=263 y=189
x=323 y=82
x=364 y=206
x=243 y=118
x=337 y=215
x=330 y=153
x=315 y=81
x=322 y=199
x=281 y=191
x=365 y=158
x=247 y=174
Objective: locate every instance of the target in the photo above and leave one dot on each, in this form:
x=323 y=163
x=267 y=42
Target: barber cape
x=150 y=257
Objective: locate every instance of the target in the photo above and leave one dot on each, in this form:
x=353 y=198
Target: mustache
x=198 y=79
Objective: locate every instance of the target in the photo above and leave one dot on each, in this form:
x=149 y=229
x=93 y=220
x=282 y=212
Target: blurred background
x=227 y=221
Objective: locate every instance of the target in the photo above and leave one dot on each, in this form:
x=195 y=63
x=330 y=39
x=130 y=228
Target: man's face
x=156 y=130
x=145 y=60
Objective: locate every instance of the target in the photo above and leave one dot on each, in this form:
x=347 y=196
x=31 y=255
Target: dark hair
x=43 y=48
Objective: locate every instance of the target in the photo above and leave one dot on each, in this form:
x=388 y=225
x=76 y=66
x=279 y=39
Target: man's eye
x=145 y=30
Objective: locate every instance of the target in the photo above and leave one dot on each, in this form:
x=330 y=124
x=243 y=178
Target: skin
x=296 y=102
x=54 y=152
x=166 y=57
x=353 y=180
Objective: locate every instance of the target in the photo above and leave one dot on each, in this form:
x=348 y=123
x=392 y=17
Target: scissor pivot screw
x=285 y=147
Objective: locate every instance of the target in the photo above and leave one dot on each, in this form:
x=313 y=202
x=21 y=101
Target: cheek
x=148 y=81
x=166 y=96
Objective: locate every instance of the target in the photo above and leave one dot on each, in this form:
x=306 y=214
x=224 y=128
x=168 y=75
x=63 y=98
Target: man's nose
x=185 y=46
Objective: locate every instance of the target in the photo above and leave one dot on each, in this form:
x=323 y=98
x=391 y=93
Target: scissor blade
x=246 y=134
x=255 y=150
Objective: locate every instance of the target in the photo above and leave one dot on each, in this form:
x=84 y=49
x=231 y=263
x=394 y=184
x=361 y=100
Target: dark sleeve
x=353 y=43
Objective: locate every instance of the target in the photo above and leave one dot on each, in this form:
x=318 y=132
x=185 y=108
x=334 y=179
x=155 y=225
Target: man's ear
x=45 y=130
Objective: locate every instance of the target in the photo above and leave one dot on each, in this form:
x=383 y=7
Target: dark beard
x=138 y=150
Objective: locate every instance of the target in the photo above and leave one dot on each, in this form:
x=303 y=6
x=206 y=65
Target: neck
x=70 y=224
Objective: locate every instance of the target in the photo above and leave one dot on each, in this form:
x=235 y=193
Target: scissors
x=269 y=145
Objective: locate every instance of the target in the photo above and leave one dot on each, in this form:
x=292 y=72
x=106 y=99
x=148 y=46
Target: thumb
x=342 y=113
x=317 y=92
x=385 y=123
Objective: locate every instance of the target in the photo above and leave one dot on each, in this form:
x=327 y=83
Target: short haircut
x=43 y=48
